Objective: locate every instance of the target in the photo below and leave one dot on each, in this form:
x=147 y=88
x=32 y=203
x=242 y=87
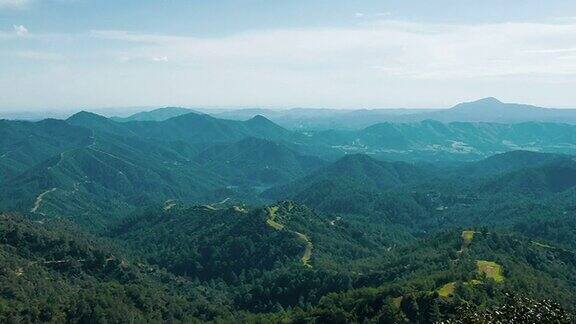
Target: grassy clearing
x=447 y=290
x=397 y=301
x=491 y=270
x=468 y=236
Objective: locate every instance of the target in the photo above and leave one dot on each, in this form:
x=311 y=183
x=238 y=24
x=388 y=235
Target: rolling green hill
x=508 y=162
x=25 y=144
x=203 y=242
x=553 y=177
x=360 y=169
x=99 y=124
x=257 y=161
x=99 y=182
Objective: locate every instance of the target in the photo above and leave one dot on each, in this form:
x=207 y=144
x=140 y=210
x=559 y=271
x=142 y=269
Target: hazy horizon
x=121 y=112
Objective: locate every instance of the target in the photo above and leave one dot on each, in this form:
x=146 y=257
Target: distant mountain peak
x=482 y=104
x=488 y=100
x=83 y=115
x=260 y=119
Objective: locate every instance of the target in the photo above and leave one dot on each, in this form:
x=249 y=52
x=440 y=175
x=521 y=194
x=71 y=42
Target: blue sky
x=69 y=54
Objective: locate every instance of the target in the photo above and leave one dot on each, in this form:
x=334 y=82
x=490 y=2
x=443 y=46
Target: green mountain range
x=177 y=216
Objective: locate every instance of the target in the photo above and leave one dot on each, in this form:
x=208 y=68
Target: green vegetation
x=271 y=221
x=199 y=219
x=226 y=254
x=467 y=236
x=491 y=270
x=103 y=170
x=255 y=161
x=54 y=273
x=447 y=290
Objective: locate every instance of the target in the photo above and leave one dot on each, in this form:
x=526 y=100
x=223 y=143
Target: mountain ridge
x=159 y=114
x=488 y=109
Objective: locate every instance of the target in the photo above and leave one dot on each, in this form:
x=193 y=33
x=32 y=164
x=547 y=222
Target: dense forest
x=191 y=218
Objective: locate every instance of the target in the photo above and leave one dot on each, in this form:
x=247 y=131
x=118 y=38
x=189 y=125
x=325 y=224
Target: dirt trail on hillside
x=307 y=251
x=271 y=221
x=40 y=200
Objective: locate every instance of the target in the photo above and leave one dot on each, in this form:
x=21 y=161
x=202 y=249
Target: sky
x=78 y=54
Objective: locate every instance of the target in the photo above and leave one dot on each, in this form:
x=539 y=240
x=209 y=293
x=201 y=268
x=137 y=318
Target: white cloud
x=410 y=50
x=552 y=50
x=14 y=4
x=160 y=59
x=386 y=63
x=373 y=16
x=25 y=4
x=20 y=30
x=38 y=55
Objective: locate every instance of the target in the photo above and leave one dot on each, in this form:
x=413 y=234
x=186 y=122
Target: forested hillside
x=195 y=219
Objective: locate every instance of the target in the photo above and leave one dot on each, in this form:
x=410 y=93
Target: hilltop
x=159 y=114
